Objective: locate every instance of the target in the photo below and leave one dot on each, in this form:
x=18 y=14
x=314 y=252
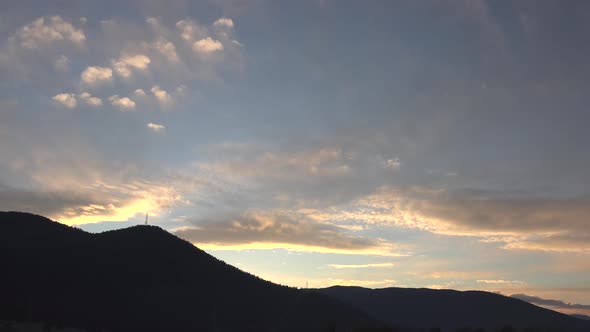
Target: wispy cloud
x=62 y=63
x=550 y=302
x=278 y=229
x=156 y=127
x=573 y=242
x=95 y=200
x=558 y=224
x=499 y=282
x=327 y=282
x=253 y=161
x=394 y=163
x=361 y=266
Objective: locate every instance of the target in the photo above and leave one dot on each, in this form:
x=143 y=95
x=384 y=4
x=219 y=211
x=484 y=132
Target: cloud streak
x=521 y=222
x=361 y=266
x=253 y=161
x=264 y=229
x=499 y=282
x=558 y=304
x=44 y=202
x=156 y=127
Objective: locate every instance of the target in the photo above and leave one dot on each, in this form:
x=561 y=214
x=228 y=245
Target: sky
x=439 y=144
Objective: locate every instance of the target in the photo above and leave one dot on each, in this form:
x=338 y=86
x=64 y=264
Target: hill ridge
x=452 y=309
x=142 y=278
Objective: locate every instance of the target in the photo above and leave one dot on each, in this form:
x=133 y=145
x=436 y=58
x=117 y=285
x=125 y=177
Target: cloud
x=224 y=22
x=125 y=64
x=47 y=30
x=189 y=30
x=92 y=75
x=90 y=99
x=392 y=163
x=478 y=212
x=513 y=220
x=167 y=49
x=181 y=89
x=139 y=93
x=360 y=266
x=120 y=200
x=207 y=45
x=44 y=202
x=258 y=162
x=296 y=177
x=263 y=229
x=156 y=127
x=69 y=100
x=573 y=242
x=295 y=281
x=75 y=187
x=558 y=304
x=160 y=94
x=66 y=99
x=499 y=282
x=163 y=52
x=123 y=103
x=492 y=212
x=352 y=282
x=71 y=185
x=62 y=63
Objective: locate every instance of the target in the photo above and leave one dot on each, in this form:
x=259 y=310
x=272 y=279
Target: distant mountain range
x=451 y=310
x=143 y=278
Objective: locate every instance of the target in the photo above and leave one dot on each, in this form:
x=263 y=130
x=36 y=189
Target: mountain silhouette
x=143 y=278
x=451 y=309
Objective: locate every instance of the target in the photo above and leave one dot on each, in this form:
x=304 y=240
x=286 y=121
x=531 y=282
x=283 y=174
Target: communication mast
x=146 y=218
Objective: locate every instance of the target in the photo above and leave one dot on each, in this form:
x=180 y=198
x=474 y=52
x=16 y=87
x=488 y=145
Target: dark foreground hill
x=144 y=279
x=452 y=310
